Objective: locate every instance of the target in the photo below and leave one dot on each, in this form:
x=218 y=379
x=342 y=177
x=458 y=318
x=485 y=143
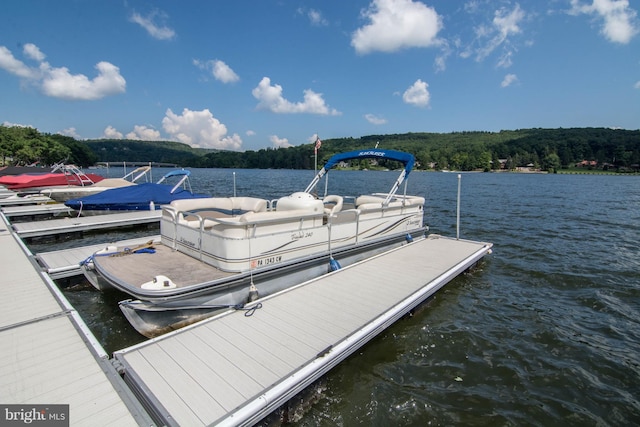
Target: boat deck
x=184 y=270
x=48 y=356
x=66 y=263
x=69 y=225
x=235 y=369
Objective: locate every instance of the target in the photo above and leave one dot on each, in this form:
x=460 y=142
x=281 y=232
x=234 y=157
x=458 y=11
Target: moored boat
x=218 y=253
x=64 y=193
x=60 y=175
x=140 y=197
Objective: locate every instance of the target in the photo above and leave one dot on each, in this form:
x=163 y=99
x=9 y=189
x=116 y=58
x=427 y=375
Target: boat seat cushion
x=275 y=216
x=368 y=199
x=333 y=204
x=367 y=203
x=215 y=207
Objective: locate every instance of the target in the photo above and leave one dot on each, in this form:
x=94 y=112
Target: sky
x=247 y=74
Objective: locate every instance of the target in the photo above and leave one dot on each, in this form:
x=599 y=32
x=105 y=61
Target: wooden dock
x=70 y=225
x=66 y=263
x=235 y=369
x=48 y=355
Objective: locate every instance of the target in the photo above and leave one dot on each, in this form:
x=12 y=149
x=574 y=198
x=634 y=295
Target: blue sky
x=245 y=75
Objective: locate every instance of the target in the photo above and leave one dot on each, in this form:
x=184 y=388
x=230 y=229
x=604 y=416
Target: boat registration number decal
x=266 y=261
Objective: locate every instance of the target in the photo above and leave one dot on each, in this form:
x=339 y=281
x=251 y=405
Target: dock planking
x=36 y=210
x=235 y=369
x=39 y=330
x=88 y=223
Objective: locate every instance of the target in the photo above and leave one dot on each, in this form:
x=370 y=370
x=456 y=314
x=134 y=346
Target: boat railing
x=75 y=176
x=234 y=228
x=136 y=174
x=198 y=222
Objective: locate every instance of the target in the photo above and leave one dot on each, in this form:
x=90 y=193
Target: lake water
x=545 y=332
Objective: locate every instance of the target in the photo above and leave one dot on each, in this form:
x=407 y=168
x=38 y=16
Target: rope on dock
x=147 y=248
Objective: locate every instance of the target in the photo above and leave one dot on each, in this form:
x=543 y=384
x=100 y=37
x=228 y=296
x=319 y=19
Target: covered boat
x=219 y=253
x=145 y=196
x=60 y=175
x=64 y=193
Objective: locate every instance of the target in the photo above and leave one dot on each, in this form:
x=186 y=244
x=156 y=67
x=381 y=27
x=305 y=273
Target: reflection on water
x=545 y=332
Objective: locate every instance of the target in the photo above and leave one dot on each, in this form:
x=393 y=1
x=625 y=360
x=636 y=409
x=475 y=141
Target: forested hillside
x=545 y=149
x=119 y=150
x=25 y=146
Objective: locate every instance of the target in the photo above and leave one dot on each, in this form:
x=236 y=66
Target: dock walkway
x=36 y=210
x=95 y=222
x=48 y=355
x=27 y=200
x=235 y=369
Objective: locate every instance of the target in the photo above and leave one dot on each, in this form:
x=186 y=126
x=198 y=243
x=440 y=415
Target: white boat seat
x=215 y=207
x=368 y=203
x=369 y=199
x=333 y=204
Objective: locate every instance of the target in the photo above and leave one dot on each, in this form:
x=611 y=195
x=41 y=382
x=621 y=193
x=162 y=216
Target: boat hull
x=156 y=317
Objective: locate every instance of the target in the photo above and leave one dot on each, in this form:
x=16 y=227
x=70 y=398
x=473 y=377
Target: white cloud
x=417 y=94
x=14 y=66
x=112 y=133
x=250 y=133
x=9 y=124
x=59 y=82
x=33 y=52
x=144 y=133
x=373 y=119
x=440 y=63
x=506 y=23
x=637 y=85
x=223 y=72
x=157 y=31
x=70 y=132
x=508 y=80
x=279 y=142
x=397 y=24
x=620 y=24
x=199 y=129
x=270 y=98
x=219 y=69
x=315 y=17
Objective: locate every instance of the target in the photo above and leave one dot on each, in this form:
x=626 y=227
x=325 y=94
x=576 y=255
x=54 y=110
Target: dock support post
x=458 y=210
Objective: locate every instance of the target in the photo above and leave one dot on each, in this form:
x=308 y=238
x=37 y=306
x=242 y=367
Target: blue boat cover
x=134 y=197
x=406 y=159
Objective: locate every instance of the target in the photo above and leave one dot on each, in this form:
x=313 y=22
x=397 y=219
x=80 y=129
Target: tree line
x=23 y=146
x=545 y=149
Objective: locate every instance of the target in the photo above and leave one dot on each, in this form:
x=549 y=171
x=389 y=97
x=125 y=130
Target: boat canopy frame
x=185 y=179
x=407 y=159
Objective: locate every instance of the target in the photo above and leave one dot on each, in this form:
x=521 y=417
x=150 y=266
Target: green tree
x=551 y=162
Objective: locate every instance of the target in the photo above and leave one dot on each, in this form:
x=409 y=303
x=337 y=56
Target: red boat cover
x=28 y=180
